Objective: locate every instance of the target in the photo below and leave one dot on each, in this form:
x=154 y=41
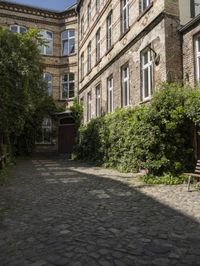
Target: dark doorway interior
x=66 y=135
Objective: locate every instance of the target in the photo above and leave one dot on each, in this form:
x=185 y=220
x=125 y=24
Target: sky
x=59 y=5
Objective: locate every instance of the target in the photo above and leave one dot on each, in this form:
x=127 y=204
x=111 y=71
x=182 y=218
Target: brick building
x=113 y=53
x=59 y=29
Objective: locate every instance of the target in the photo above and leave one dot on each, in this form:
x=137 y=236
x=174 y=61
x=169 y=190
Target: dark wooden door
x=66 y=139
x=198 y=144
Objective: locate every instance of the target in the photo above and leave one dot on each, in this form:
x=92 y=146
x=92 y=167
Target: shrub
x=158 y=136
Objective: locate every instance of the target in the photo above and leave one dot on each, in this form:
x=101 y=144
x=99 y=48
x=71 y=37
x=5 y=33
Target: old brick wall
x=189 y=58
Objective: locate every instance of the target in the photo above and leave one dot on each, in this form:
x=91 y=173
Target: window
x=89 y=106
x=48 y=78
x=18 y=29
x=89 y=14
x=45 y=135
x=147 y=74
x=98 y=101
x=125 y=15
x=82 y=66
x=98 y=4
x=47 y=48
x=67 y=86
x=98 y=46
x=110 y=94
x=125 y=86
x=82 y=26
x=68 y=42
x=198 y=59
x=144 y=4
x=109 y=31
x=89 y=57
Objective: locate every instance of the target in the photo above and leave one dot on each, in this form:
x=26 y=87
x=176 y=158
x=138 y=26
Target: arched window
x=68 y=42
x=47 y=48
x=18 y=29
x=67 y=86
x=48 y=78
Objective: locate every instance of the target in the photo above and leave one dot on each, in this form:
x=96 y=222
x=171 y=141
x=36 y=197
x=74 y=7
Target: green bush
x=166 y=179
x=158 y=137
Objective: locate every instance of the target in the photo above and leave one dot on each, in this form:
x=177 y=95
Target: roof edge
x=52 y=11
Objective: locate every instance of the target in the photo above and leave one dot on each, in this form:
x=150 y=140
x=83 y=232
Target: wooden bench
x=195 y=175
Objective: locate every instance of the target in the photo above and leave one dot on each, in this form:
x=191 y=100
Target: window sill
x=66 y=100
x=144 y=101
x=145 y=11
x=124 y=33
x=74 y=54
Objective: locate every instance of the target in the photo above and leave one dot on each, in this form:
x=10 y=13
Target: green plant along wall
x=158 y=136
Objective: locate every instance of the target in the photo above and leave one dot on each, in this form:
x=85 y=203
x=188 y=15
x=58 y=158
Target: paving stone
x=88 y=223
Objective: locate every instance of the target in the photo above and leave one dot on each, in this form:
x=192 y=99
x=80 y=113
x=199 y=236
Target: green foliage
x=166 y=179
x=158 y=137
x=77 y=112
x=23 y=93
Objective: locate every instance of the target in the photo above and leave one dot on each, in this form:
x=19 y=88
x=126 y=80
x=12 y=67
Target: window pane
x=65 y=78
x=65 y=47
x=14 y=28
x=71 y=90
x=146 y=83
x=145 y=58
x=71 y=46
x=49 y=48
x=49 y=35
x=23 y=30
x=71 y=76
x=64 y=35
x=71 y=33
x=64 y=91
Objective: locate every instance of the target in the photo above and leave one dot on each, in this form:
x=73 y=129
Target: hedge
x=158 y=136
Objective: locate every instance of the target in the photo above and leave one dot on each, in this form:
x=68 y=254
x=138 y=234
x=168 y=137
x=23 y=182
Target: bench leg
x=189 y=181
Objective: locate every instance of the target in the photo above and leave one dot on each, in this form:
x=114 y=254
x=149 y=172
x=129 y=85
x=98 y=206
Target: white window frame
x=144 y=4
x=47 y=39
x=89 y=14
x=125 y=80
x=82 y=66
x=197 y=46
x=98 y=45
x=147 y=66
x=68 y=82
x=98 y=100
x=49 y=83
x=19 y=27
x=124 y=15
x=89 y=106
x=110 y=94
x=89 y=57
x=67 y=39
x=109 y=30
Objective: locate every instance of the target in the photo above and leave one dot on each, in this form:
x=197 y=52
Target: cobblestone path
x=56 y=212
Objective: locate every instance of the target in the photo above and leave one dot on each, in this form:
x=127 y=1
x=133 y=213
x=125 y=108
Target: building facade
x=59 y=29
x=111 y=53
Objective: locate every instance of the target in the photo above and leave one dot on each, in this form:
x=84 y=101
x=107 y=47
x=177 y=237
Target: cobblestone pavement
x=56 y=212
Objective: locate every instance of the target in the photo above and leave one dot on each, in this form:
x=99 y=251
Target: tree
x=23 y=97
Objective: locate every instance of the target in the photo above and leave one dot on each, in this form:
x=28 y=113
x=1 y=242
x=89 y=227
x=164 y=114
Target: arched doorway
x=66 y=135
